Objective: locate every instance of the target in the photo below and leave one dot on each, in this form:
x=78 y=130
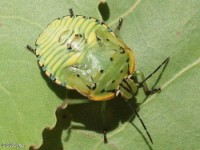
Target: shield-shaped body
x=84 y=54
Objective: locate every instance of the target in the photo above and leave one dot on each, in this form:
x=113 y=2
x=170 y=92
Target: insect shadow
x=60 y=91
x=89 y=115
x=52 y=136
x=104 y=10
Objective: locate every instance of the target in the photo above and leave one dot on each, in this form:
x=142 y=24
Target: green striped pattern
x=52 y=51
x=84 y=54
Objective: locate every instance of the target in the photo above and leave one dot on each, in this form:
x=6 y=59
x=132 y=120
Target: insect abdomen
x=62 y=43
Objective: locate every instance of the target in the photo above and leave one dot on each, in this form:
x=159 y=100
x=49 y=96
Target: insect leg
x=117 y=29
x=103 y=114
x=68 y=101
x=30 y=49
x=144 y=84
x=165 y=62
x=142 y=122
x=105 y=136
x=119 y=24
x=71 y=12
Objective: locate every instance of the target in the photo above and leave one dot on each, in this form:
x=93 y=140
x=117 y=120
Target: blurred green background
x=153 y=29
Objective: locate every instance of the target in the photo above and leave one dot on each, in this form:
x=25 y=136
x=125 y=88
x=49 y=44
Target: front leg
x=147 y=91
x=144 y=79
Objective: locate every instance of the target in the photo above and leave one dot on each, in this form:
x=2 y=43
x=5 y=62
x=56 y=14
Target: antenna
x=145 y=128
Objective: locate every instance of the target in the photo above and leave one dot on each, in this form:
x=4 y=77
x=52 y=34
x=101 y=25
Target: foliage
x=153 y=29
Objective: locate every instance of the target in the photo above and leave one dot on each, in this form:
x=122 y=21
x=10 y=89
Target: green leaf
x=154 y=30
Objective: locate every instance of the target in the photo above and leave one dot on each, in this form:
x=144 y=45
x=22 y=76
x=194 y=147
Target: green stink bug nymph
x=84 y=54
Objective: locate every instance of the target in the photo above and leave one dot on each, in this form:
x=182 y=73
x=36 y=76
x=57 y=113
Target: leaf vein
x=22 y=19
x=132 y=8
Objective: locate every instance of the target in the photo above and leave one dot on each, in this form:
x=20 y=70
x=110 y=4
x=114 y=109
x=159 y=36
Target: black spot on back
x=123 y=50
x=101 y=71
x=102 y=91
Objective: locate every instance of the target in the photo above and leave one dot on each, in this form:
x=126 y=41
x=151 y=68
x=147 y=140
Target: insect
x=84 y=54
